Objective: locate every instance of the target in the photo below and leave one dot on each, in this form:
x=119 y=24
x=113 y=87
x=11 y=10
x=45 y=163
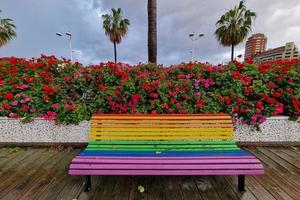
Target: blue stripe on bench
x=164 y=153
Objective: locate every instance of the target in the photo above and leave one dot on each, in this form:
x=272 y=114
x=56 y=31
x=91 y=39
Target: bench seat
x=163 y=145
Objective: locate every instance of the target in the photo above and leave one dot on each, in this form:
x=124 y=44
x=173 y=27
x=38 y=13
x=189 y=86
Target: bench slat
x=146 y=137
x=166 y=172
x=161 y=162
x=165 y=166
x=163 y=153
x=161 y=125
x=167 y=158
x=154 y=117
x=162 y=121
x=182 y=142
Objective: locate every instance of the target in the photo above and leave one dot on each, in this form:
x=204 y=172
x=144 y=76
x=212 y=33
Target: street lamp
x=69 y=37
x=193 y=36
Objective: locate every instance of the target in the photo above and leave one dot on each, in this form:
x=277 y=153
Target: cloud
x=37 y=22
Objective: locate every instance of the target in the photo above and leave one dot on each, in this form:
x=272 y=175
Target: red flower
x=135 y=98
x=236 y=109
x=199 y=105
x=6 y=106
x=276 y=94
x=101 y=87
x=271 y=85
x=28 y=79
x=239 y=101
x=9 y=96
x=154 y=95
x=47 y=88
x=270 y=100
x=164 y=105
x=147 y=87
x=259 y=105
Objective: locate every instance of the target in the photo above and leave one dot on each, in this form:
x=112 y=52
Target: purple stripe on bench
x=166 y=172
x=164 y=158
x=171 y=161
x=165 y=166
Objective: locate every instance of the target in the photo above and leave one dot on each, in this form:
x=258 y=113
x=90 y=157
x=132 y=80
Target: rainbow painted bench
x=144 y=144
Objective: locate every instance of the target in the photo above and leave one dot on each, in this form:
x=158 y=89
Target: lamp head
x=68 y=33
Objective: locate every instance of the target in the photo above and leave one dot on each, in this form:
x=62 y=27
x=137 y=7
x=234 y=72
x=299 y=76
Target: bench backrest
x=161 y=127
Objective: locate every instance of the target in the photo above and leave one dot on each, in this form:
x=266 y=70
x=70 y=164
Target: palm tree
x=234 y=26
x=7 y=30
x=152 y=32
x=116 y=27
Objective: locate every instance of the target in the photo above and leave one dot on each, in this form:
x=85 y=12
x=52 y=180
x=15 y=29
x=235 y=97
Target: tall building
x=289 y=51
x=255 y=44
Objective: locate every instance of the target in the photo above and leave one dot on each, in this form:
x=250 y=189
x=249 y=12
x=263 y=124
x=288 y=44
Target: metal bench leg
x=241 y=183
x=88 y=183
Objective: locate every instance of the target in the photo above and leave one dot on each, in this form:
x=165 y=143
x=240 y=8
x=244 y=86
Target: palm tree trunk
x=152 y=32
x=232 y=52
x=115 y=51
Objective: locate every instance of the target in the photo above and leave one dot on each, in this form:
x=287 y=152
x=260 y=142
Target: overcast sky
x=38 y=20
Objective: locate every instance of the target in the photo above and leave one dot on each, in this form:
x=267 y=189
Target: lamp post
x=193 y=36
x=69 y=37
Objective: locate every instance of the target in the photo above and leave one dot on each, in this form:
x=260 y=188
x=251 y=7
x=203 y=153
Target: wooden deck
x=41 y=173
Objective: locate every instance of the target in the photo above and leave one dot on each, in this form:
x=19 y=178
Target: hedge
x=55 y=89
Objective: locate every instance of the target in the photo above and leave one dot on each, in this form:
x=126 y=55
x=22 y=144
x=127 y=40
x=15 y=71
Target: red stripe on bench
x=167 y=115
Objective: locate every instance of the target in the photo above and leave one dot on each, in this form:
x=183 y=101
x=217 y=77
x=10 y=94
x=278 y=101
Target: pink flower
x=24 y=86
x=15 y=103
x=54 y=106
x=13 y=115
x=32 y=110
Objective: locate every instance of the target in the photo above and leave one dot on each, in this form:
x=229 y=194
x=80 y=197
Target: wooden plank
x=53 y=187
x=273 y=188
x=50 y=172
x=161 y=147
x=154 y=129
x=172 y=188
x=162 y=137
x=233 y=183
x=161 y=125
x=122 y=188
x=8 y=173
x=189 y=189
x=136 y=182
x=205 y=188
x=271 y=164
x=162 y=121
x=161 y=133
x=165 y=172
x=183 y=142
x=167 y=161
x=165 y=166
x=27 y=183
x=223 y=188
x=292 y=169
x=163 y=117
x=291 y=160
x=13 y=184
x=258 y=190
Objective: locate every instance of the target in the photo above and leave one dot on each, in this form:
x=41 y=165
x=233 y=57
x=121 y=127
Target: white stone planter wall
x=275 y=129
x=42 y=131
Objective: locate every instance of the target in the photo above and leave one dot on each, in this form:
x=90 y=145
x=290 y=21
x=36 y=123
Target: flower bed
x=69 y=93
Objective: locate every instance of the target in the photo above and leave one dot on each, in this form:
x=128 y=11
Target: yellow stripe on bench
x=161 y=127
